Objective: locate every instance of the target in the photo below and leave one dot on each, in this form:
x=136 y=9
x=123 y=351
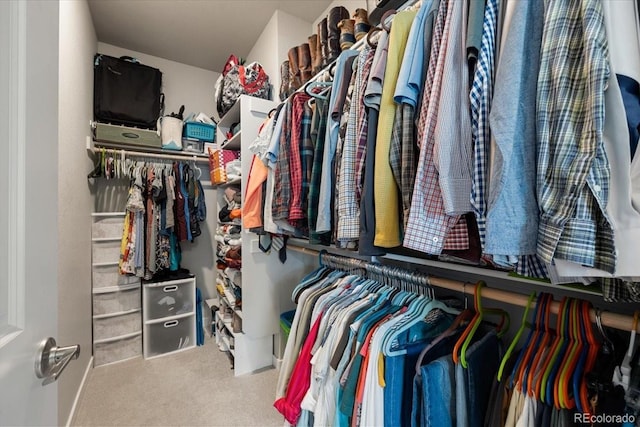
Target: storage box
x=286 y=319
x=105 y=251
x=168 y=336
x=115 y=325
x=192 y=145
x=170 y=298
x=127 y=136
x=116 y=299
x=117 y=349
x=109 y=276
x=107 y=227
x=218 y=160
x=199 y=131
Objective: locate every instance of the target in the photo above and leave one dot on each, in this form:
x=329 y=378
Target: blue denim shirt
x=512 y=217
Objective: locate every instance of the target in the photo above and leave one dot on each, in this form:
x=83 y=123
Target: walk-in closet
x=320 y=213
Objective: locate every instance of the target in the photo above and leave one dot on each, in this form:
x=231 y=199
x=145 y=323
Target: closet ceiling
x=202 y=33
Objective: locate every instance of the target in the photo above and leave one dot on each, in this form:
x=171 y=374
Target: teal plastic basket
x=200 y=131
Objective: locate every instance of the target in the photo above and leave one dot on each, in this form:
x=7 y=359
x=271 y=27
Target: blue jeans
x=400 y=370
x=441 y=350
x=433 y=397
x=473 y=385
x=398 y=377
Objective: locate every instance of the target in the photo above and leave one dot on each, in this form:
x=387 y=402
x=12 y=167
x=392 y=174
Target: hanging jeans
x=434 y=395
x=399 y=370
x=474 y=383
x=433 y=403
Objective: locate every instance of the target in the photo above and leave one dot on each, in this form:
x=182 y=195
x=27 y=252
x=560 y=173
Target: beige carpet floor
x=192 y=388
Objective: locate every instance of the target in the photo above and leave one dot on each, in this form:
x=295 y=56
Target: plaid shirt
x=480 y=98
x=282 y=176
x=428 y=224
x=306 y=155
x=619 y=290
x=350 y=175
x=318 y=135
x=295 y=165
x=573 y=170
x=403 y=156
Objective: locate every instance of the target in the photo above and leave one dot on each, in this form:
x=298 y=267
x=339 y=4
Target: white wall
x=282 y=32
x=78 y=44
x=182 y=84
x=192 y=87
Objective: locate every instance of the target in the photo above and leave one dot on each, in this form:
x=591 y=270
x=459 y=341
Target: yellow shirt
x=386 y=197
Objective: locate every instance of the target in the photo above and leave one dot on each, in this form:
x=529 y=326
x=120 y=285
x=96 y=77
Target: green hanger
x=523 y=325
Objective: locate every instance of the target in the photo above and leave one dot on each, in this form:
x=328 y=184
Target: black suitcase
x=126 y=92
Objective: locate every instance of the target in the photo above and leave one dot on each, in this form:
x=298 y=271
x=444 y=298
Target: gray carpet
x=192 y=388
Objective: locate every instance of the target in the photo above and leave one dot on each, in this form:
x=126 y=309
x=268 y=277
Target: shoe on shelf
x=285 y=80
x=362 y=25
x=322 y=44
x=347 y=39
x=304 y=63
x=336 y=15
x=313 y=51
x=294 y=70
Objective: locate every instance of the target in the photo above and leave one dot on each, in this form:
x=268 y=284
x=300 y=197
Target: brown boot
x=347 y=39
x=294 y=70
x=313 y=51
x=336 y=15
x=322 y=43
x=362 y=26
x=285 y=80
x=304 y=63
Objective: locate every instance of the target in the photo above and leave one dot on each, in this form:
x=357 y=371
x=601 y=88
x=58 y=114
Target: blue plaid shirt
x=573 y=170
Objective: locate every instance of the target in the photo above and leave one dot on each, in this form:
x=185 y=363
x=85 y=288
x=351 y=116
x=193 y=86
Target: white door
x=28 y=212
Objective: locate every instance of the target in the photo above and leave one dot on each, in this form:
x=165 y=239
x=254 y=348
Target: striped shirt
x=429 y=225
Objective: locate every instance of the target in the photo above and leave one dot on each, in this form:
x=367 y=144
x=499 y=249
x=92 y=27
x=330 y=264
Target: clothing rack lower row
x=612 y=320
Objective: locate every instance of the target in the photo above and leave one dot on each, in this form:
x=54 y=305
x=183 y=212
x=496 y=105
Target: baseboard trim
x=79 y=393
x=276 y=362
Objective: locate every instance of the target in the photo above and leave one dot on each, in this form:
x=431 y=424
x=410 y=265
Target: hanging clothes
x=158 y=195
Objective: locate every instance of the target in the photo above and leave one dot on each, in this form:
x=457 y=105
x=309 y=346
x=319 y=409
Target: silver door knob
x=51 y=359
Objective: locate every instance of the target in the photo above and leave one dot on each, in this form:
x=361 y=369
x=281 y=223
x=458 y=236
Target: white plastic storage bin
x=108 y=276
x=171 y=298
x=116 y=299
x=115 y=325
x=107 y=225
x=167 y=336
x=105 y=251
x=117 y=349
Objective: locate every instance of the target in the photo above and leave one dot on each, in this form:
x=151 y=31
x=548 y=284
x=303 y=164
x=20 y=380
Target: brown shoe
x=285 y=80
x=362 y=26
x=322 y=43
x=304 y=63
x=313 y=51
x=347 y=39
x=294 y=70
x=336 y=15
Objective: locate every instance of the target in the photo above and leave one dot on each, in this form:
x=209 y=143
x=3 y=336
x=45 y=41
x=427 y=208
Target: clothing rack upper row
x=425 y=281
x=97 y=147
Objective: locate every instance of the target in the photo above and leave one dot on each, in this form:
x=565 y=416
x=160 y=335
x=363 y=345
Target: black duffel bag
x=126 y=92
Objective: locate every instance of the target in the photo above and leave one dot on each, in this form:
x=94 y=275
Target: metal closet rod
x=184 y=157
x=612 y=320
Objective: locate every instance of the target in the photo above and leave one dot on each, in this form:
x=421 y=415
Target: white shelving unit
x=251 y=345
x=117 y=324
